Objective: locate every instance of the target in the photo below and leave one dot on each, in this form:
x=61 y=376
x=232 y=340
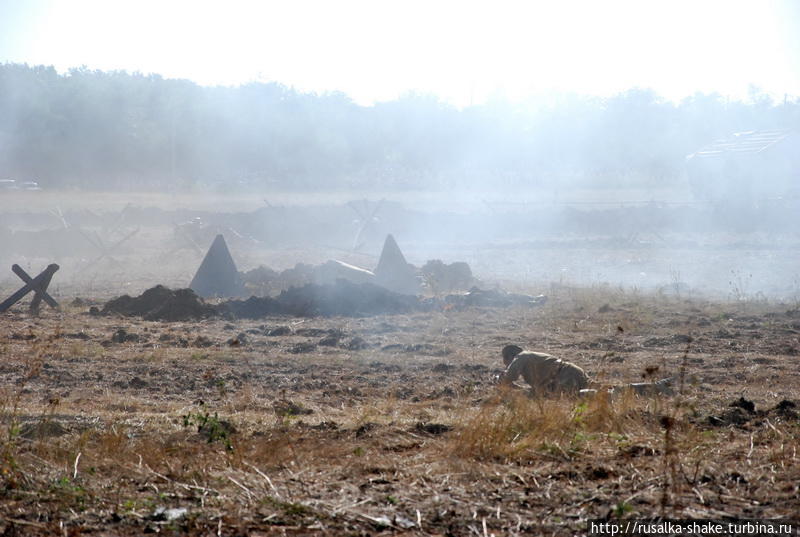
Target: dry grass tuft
x=514 y=427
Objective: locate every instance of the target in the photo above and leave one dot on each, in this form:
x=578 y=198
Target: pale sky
x=460 y=50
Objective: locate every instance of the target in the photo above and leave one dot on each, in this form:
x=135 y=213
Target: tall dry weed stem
x=671 y=454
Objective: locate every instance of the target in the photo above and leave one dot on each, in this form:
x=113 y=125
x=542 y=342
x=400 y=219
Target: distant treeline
x=112 y=130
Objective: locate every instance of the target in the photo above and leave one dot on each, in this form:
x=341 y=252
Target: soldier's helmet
x=510 y=352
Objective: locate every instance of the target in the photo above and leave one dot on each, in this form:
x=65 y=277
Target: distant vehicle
x=11 y=184
x=31 y=185
x=746 y=168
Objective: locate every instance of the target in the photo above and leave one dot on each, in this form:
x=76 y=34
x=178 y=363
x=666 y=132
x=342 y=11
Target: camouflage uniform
x=544 y=373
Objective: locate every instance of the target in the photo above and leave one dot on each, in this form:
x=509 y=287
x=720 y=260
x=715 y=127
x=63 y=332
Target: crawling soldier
x=544 y=373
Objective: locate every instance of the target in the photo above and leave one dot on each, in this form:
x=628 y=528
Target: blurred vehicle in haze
x=12 y=184
x=747 y=168
x=31 y=186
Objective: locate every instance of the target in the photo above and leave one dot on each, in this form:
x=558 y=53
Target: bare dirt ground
x=394 y=424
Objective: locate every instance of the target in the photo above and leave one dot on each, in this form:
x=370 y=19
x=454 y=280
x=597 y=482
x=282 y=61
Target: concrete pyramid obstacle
x=393 y=272
x=217 y=275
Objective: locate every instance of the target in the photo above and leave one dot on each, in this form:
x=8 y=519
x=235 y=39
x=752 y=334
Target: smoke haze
x=541 y=144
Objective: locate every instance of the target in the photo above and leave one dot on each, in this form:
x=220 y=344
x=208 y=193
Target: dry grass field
x=394 y=424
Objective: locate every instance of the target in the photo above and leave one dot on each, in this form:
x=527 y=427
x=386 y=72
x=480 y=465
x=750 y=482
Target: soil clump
x=161 y=304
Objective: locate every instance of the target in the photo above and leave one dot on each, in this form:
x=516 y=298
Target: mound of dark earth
x=743 y=412
x=342 y=298
x=162 y=304
x=255 y=308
